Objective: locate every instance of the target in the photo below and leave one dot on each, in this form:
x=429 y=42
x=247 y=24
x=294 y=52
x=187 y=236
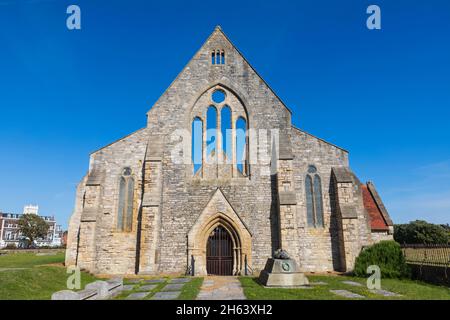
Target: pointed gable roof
x=219 y=34
x=219 y=203
x=379 y=217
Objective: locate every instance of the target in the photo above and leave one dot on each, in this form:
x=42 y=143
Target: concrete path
x=221 y=288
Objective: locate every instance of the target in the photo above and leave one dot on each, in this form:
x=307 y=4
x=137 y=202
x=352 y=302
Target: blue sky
x=384 y=95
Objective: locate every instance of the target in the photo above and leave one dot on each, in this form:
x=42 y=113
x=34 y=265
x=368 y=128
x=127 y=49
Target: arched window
x=219 y=136
x=218 y=57
x=211 y=132
x=197 y=145
x=241 y=145
x=318 y=201
x=309 y=201
x=314 y=205
x=126 y=195
x=225 y=126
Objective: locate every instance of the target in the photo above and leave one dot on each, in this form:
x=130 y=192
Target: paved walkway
x=221 y=288
x=143 y=288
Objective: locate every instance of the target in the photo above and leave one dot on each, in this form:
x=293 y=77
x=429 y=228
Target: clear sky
x=384 y=95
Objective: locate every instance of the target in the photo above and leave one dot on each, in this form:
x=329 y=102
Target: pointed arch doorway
x=218 y=213
x=219 y=253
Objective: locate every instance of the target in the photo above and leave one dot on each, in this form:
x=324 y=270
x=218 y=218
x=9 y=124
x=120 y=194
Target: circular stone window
x=312 y=169
x=126 y=172
x=218 y=96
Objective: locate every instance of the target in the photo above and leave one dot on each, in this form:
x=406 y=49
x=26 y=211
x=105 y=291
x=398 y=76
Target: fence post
x=246 y=270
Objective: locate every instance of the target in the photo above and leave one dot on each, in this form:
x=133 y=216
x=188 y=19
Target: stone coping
x=97 y=290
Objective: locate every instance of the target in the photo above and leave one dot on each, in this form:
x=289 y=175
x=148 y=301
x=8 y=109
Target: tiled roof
x=377 y=221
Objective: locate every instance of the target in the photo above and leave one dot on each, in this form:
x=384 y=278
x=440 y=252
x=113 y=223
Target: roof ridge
x=379 y=203
x=323 y=140
x=218 y=28
x=117 y=140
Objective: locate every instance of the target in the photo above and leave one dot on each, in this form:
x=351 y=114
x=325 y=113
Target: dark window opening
x=314 y=204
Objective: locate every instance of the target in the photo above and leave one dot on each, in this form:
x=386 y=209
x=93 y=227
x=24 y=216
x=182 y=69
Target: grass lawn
x=25 y=276
x=189 y=291
x=410 y=290
x=29 y=260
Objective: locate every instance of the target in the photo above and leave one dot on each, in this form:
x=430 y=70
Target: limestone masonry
x=178 y=196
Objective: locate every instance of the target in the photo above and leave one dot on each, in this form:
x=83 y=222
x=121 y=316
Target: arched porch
x=198 y=241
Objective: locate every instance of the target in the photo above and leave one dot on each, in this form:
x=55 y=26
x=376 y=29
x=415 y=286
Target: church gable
x=217 y=62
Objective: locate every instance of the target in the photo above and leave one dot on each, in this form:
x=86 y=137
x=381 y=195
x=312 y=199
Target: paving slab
x=180 y=280
x=353 y=283
x=318 y=283
x=173 y=287
x=166 y=295
x=148 y=287
x=208 y=283
x=128 y=287
x=347 y=294
x=290 y=287
x=385 y=293
x=137 y=296
x=155 y=281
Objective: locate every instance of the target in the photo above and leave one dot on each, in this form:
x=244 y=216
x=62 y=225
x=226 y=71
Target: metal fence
x=427 y=254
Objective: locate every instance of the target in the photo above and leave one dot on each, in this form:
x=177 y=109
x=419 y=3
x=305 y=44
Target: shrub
x=385 y=254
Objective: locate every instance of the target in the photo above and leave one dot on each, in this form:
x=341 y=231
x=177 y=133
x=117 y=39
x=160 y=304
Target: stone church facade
x=178 y=196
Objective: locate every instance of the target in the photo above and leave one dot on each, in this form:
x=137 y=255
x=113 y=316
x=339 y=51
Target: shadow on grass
x=408 y=289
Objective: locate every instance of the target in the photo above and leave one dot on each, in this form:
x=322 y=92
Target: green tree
x=33 y=227
x=447 y=228
x=421 y=232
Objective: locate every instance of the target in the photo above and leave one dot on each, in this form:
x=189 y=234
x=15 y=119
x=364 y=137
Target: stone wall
x=103 y=249
x=354 y=231
x=74 y=226
x=381 y=236
x=318 y=247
